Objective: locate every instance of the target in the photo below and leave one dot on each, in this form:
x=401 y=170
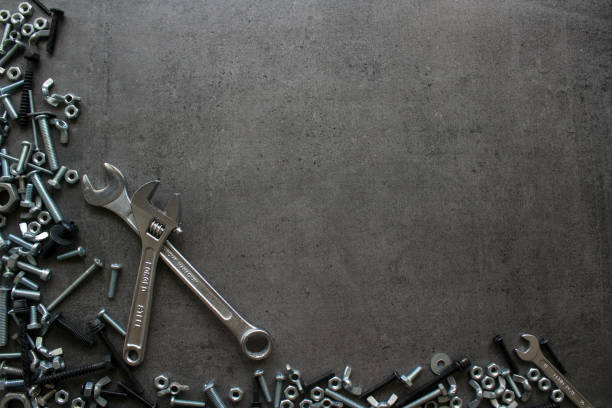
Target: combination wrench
x=534 y=355
x=256 y=343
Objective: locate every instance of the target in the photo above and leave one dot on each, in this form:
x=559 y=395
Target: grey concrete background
x=370 y=181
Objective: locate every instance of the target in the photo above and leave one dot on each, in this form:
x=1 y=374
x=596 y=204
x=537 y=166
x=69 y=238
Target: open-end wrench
x=154 y=227
x=534 y=355
x=255 y=342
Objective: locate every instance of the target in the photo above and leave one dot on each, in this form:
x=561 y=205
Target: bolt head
x=81 y=251
x=209 y=385
x=279 y=376
x=442 y=389
x=101 y=313
x=98 y=262
x=116 y=266
x=258 y=373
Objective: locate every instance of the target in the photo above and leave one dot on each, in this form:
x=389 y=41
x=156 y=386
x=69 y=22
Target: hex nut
x=161 y=381
x=41 y=23
x=78 y=402
x=11 y=397
x=305 y=403
x=316 y=394
x=15 y=35
x=476 y=372
x=71 y=112
x=5 y=16
x=16 y=20
x=326 y=403
x=488 y=383
x=13 y=73
x=27 y=30
x=335 y=383
x=25 y=8
x=12 y=197
x=493 y=370
x=44 y=217
x=507 y=396
x=235 y=394
x=544 y=384
x=71 y=176
x=557 y=396
x=39 y=158
x=533 y=374
x=62 y=397
x=291 y=392
x=456 y=402
x=34 y=227
x=286 y=404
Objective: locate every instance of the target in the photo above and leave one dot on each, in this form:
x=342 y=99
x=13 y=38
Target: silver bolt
x=12 y=371
x=408 y=380
x=278 y=390
x=45 y=135
x=25 y=293
x=345 y=400
x=213 y=395
x=23 y=243
x=6 y=173
x=46 y=198
x=7 y=384
x=42 y=401
x=57 y=179
x=5 y=34
x=4 y=316
x=12 y=87
x=34 y=131
x=103 y=315
x=20 y=279
x=175 y=402
x=259 y=374
x=12 y=51
x=112 y=284
x=80 y=251
x=33 y=325
x=27 y=199
x=9 y=106
x=427 y=397
x=42 y=273
x=89 y=271
x=10 y=356
x=508 y=376
x=26 y=148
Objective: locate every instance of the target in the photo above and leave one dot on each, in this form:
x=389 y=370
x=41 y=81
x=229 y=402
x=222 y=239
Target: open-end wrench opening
x=256 y=344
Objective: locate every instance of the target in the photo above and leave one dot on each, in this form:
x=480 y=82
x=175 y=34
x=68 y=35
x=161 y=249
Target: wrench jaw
x=533 y=348
x=256 y=344
x=101 y=197
x=156 y=223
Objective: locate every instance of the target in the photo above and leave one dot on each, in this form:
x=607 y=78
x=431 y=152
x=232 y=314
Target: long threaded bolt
x=278 y=389
x=545 y=344
x=345 y=400
x=26 y=149
x=30 y=165
x=263 y=386
x=45 y=135
x=498 y=340
x=89 y=271
x=46 y=198
x=112 y=284
x=4 y=316
x=17 y=293
x=12 y=371
x=11 y=87
x=111 y=322
x=76 y=333
x=427 y=397
x=75 y=372
x=213 y=395
x=8 y=384
x=80 y=251
x=175 y=402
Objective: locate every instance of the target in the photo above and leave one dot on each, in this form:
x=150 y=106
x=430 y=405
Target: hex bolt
x=112 y=323
x=213 y=395
x=408 y=380
x=26 y=149
x=112 y=284
x=25 y=294
x=175 y=402
x=5 y=34
x=42 y=273
x=45 y=135
x=6 y=174
x=278 y=389
x=29 y=194
x=9 y=106
x=507 y=374
x=8 y=384
x=498 y=340
x=89 y=271
x=12 y=87
x=345 y=400
x=427 y=397
x=545 y=345
x=259 y=374
x=23 y=243
x=34 y=324
x=75 y=372
x=46 y=198
x=18 y=46
x=80 y=251
x=55 y=182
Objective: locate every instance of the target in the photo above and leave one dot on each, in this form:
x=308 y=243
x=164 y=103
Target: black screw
x=452 y=368
x=75 y=372
x=545 y=345
x=57 y=16
x=96 y=327
x=67 y=326
x=136 y=396
x=382 y=384
x=498 y=340
x=256 y=403
x=113 y=394
x=44 y=8
x=318 y=380
x=61 y=234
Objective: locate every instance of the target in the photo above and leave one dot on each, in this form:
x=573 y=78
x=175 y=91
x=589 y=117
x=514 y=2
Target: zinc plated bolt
x=408 y=380
x=34 y=131
x=26 y=149
x=507 y=374
x=7 y=90
x=8 y=384
x=57 y=179
x=20 y=279
x=109 y=320
x=10 y=356
x=6 y=174
x=25 y=294
x=5 y=34
x=213 y=395
x=80 y=251
x=46 y=198
x=45 y=134
x=9 y=106
x=112 y=284
x=341 y=398
x=89 y=271
x=427 y=397
x=259 y=374
x=27 y=199
x=12 y=371
x=34 y=324
x=278 y=390
x=42 y=273
x=18 y=46
x=175 y=402
x=23 y=243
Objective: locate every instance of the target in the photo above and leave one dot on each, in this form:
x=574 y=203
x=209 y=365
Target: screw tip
x=209 y=385
x=98 y=262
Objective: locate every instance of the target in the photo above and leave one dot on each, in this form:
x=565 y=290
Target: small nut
x=286 y=404
x=476 y=372
x=488 y=383
x=27 y=30
x=557 y=396
x=44 y=217
x=493 y=370
x=39 y=158
x=161 y=381
x=25 y=8
x=78 y=402
x=235 y=394
x=305 y=403
x=62 y=397
x=533 y=374
x=34 y=227
x=71 y=112
x=544 y=384
x=456 y=402
x=71 y=176
x=317 y=394
x=175 y=388
x=5 y=16
x=41 y=23
x=13 y=73
x=508 y=396
x=11 y=199
x=291 y=392
x=71 y=99
x=16 y=20
x=335 y=383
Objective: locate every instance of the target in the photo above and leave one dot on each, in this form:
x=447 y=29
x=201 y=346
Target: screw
x=498 y=340
x=23 y=243
x=175 y=402
x=12 y=371
x=18 y=46
x=27 y=199
x=213 y=395
x=33 y=325
x=45 y=135
x=25 y=293
x=42 y=273
x=545 y=344
x=345 y=400
x=57 y=179
x=6 y=175
x=93 y=268
x=75 y=372
x=6 y=384
x=427 y=397
x=408 y=380
x=109 y=320
x=3 y=315
x=259 y=374
x=26 y=148
x=80 y=251
x=112 y=285
x=279 y=377
x=136 y=395
x=5 y=34
x=9 y=106
x=11 y=87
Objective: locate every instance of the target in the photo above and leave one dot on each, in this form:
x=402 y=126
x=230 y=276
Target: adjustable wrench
x=114 y=197
x=534 y=354
x=154 y=227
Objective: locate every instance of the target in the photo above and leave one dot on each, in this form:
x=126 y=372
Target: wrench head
x=100 y=197
x=146 y=214
x=532 y=350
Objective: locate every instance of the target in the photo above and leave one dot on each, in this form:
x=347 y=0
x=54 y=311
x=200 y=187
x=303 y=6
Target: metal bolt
x=25 y=293
x=507 y=374
x=75 y=372
x=26 y=148
x=33 y=120
x=213 y=395
x=259 y=374
x=46 y=198
x=545 y=345
x=42 y=273
x=112 y=284
x=498 y=340
x=5 y=34
x=427 y=397
x=12 y=87
x=10 y=356
x=109 y=320
x=89 y=271
x=279 y=377
x=345 y=400
x=29 y=194
x=57 y=179
x=408 y=380
x=33 y=248
x=175 y=402
x=80 y=251
x=6 y=174
x=30 y=165
x=34 y=324
x=9 y=106
x=45 y=134
x=42 y=400
x=7 y=384
x=4 y=316
x=18 y=46
x=20 y=279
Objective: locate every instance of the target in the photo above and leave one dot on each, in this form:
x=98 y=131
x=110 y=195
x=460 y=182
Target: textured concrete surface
x=370 y=181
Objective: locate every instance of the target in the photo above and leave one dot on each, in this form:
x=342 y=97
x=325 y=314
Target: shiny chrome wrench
x=534 y=354
x=114 y=197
